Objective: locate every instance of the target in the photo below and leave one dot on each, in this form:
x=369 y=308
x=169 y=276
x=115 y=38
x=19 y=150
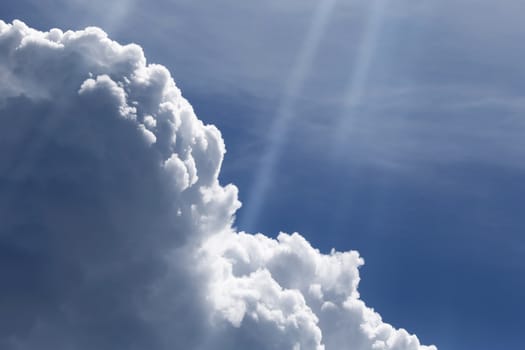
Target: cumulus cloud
x=115 y=232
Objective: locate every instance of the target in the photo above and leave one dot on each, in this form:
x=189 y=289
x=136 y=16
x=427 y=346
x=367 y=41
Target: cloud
x=116 y=233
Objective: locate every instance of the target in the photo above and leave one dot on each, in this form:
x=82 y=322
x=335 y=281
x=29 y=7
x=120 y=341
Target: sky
x=393 y=128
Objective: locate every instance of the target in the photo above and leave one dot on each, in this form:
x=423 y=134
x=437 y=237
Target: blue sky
x=393 y=127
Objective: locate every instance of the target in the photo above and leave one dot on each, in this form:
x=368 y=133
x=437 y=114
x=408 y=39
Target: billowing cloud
x=115 y=232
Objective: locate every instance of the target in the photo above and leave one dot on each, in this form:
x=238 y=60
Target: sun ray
x=355 y=88
x=285 y=113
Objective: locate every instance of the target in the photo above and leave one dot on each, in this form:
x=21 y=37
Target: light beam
x=356 y=85
x=285 y=113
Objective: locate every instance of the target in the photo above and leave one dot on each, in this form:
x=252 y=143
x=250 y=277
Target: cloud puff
x=116 y=233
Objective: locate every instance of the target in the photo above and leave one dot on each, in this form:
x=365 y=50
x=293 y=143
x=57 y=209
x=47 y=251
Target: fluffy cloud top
x=115 y=232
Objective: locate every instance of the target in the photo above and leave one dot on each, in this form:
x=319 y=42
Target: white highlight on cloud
x=126 y=235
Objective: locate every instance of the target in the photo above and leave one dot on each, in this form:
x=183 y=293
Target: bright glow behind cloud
x=116 y=233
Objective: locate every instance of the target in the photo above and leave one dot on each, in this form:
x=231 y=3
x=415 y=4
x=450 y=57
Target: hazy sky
x=394 y=128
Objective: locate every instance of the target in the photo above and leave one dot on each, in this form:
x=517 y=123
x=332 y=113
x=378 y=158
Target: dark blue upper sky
x=391 y=127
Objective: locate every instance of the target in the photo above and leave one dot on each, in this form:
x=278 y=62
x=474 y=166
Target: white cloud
x=116 y=232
